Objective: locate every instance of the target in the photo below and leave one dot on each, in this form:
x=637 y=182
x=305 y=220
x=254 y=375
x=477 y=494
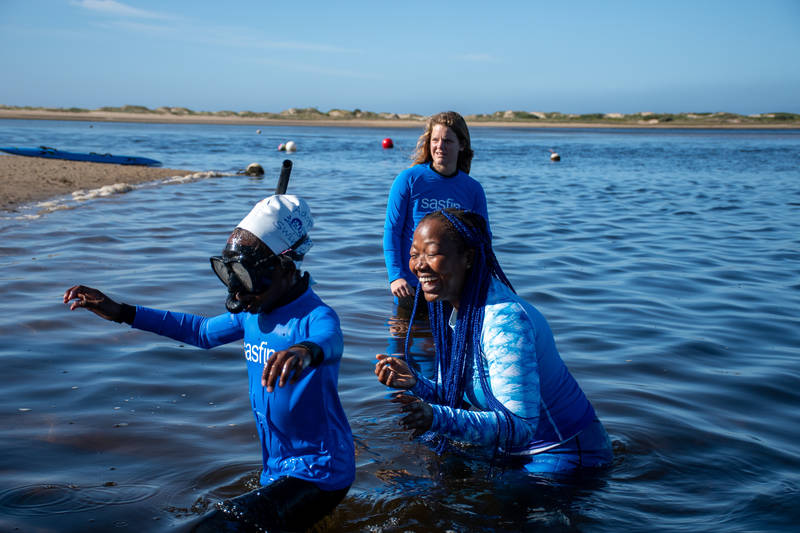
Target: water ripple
x=56 y=499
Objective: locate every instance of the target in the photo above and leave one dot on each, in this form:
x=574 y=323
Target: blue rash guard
x=417 y=191
x=303 y=428
x=527 y=376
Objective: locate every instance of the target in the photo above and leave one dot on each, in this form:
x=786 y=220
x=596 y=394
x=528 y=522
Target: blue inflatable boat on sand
x=52 y=153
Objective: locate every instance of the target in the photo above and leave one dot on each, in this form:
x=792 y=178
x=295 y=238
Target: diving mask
x=245 y=273
x=248 y=266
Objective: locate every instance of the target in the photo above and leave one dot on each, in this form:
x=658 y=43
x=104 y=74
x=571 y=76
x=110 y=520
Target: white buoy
x=291 y=146
x=555 y=157
x=258 y=132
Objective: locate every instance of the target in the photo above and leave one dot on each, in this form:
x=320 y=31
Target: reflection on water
x=420 y=343
x=666 y=263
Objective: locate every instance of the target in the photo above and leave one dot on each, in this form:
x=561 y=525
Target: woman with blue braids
x=499 y=382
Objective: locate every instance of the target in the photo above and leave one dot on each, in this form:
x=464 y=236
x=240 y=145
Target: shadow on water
x=454 y=494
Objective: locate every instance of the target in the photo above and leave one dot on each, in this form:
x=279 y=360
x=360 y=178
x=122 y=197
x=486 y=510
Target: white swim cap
x=282 y=222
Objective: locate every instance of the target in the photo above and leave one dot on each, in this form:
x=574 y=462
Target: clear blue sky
x=404 y=56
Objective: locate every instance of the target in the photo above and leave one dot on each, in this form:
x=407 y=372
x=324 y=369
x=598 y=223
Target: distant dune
x=357 y=117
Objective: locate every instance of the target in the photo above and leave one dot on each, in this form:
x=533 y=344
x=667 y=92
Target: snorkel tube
x=283 y=180
x=231 y=303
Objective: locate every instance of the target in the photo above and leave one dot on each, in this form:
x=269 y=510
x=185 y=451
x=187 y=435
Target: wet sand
x=30 y=179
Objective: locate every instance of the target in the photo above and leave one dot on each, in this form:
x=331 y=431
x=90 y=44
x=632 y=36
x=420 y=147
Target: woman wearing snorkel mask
x=291 y=339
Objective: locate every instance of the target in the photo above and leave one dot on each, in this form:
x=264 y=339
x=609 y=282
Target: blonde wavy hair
x=454 y=121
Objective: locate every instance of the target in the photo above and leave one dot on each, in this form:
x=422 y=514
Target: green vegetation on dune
x=644 y=118
x=516 y=117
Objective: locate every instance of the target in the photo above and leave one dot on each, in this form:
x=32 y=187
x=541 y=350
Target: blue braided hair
x=458 y=351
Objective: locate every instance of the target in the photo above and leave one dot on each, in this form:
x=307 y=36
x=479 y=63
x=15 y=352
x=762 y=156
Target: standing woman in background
x=438 y=179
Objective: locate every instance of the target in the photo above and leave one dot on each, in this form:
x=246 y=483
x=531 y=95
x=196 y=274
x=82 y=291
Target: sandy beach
x=30 y=179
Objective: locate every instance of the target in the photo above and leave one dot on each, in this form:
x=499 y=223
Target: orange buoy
x=387 y=143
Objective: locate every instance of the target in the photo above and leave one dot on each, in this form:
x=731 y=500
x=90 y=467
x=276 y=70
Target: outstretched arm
x=184 y=327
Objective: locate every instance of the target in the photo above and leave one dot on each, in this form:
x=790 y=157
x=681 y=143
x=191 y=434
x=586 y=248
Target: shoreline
x=27 y=180
x=159 y=118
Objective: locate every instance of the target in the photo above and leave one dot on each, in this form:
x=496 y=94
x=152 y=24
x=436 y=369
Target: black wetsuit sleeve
x=126 y=314
x=316 y=352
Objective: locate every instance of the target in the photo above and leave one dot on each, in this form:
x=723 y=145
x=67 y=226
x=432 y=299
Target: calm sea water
x=667 y=262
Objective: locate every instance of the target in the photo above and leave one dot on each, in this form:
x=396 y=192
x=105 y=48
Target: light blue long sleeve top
x=526 y=374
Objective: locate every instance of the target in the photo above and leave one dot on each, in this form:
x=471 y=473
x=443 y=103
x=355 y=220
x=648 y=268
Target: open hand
x=394 y=372
x=419 y=414
x=285 y=365
x=93 y=300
